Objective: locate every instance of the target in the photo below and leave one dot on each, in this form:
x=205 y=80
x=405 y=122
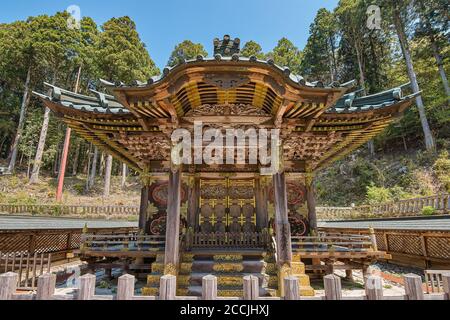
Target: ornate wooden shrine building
x=230 y=218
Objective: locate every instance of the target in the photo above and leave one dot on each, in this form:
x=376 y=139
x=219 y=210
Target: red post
x=62 y=170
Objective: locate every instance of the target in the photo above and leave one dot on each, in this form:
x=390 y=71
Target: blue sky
x=163 y=24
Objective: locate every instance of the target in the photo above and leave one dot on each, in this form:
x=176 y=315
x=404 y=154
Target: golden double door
x=227 y=205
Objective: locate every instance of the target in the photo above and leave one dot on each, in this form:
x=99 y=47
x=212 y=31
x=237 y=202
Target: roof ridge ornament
x=227 y=47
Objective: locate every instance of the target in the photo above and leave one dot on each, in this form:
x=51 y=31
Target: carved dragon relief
x=155 y=147
x=308 y=146
x=227 y=110
x=226 y=81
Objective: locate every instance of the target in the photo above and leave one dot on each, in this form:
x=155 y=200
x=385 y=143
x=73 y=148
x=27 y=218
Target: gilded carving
x=170 y=269
x=228 y=267
x=186 y=268
x=230 y=281
x=228 y=257
x=150 y=292
x=230 y=293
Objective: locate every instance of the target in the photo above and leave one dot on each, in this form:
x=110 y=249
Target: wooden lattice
x=14 y=243
x=380 y=242
x=403 y=243
x=438 y=247
x=51 y=242
x=76 y=241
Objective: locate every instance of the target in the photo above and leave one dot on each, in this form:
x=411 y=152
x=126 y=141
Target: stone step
x=229 y=280
x=196 y=291
x=205 y=266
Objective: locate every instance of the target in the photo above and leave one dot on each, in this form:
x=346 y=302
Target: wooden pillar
x=282 y=227
x=311 y=202
x=62 y=169
x=262 y=218
x=173 y=222
x=143 y=208
x=193 y=202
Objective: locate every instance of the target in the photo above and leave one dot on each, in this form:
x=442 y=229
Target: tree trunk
x=23 y=108
x=108 y=169
x=76 y=158
x=40 y=150
x=434 y=46
x=440 y=64
x=93 y=172
x=102 y=165
x=399 y=27
x=362 y=80
x=124 y=175
x=333 y=59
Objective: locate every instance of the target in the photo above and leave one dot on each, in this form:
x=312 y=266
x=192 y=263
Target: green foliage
x=186 y=50
x=442 y=170
x=79 y=188
x=21 y=198
x=376 y=195
x=428 y=211
x=286 y=54
x=252 y=48
x=104 y=285
x=379 y=195
x=121 y=54
x=320 y=53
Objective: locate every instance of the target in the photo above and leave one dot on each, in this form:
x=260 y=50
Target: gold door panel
x=227 y=205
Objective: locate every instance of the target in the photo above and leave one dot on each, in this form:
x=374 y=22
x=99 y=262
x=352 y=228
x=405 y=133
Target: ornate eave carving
x=227 y=81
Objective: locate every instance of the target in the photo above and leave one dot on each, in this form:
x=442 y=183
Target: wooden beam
x=193 y=202
x=143 y=208
x=282 y=226
x=311 y=202
x=278 y=119
x=168 y=106
x=331 y=100
x=256 y=120
x=261 y=204
x=173 y=220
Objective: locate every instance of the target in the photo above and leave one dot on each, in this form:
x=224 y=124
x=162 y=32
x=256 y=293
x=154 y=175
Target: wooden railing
x=434 y=280
x=403 y=208
x=28 y=266
x=229 y=240
x=333 y=242
x=126 y=289
x=71 y=210
x=59 y=243
x=420 y=248
x=126 y=242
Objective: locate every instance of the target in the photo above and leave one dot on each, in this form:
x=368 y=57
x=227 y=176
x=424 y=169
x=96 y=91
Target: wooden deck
x=408 y=247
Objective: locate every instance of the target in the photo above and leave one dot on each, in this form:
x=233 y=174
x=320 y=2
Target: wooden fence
x=57 y=242
x=434 y=280
x=115 y=212
x=126 y=289
x=123 y=243
x=420 y=248
x=334 y=242
x=403 y=208
x=28 y=267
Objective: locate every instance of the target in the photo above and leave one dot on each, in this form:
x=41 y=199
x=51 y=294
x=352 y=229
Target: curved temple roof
x=319 y=123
